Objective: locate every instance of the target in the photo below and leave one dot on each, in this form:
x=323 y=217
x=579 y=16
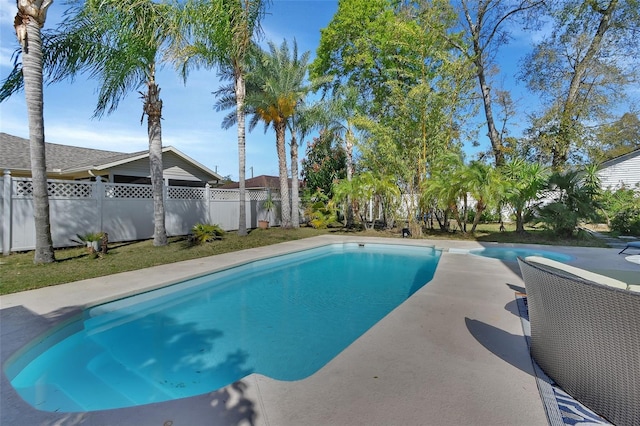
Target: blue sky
x=190 y=124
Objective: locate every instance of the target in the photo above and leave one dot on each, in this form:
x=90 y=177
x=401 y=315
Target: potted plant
x=91 y=240
x=267 y=205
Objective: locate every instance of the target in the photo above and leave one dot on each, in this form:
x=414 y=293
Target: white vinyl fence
x=124 y=211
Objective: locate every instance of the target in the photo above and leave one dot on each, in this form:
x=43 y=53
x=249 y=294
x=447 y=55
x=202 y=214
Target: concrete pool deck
x=452 y=354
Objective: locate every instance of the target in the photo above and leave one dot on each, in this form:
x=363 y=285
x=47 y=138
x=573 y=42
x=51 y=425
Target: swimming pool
x=284 y=317
x=511 y=254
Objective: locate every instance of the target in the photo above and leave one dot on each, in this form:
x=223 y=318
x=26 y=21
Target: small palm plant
x=268 y=205
x=203 y=233
x=90 y=239
x=323 y=215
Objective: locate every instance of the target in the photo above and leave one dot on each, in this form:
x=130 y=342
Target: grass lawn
x=18 y=273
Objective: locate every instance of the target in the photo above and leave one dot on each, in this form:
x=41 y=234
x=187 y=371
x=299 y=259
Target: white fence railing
x=124 y=211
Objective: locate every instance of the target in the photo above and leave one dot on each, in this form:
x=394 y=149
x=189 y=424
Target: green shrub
x=622 y=201
x=203 y=233
x=560 y=218
x=574 y=198
x=322 y=215
x=487 y=216
x=627 y=221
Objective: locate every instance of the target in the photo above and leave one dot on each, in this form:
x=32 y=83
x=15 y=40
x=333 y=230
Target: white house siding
x=174 y=168
x=138 y=168
x=623 y=171
x=177 y=168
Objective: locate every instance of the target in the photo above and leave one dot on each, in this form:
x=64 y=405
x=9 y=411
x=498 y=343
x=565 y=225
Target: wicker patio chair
x=586 y=337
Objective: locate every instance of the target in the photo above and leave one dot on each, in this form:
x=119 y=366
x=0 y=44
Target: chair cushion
x=587 y=275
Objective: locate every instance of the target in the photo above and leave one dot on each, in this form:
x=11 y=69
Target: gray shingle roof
x=14 y=154
x=262 y=181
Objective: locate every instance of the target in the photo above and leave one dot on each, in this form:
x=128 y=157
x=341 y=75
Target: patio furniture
x=634 y=244
x=585 y=335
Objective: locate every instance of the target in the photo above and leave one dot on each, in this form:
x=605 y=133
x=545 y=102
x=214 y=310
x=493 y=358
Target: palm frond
x=13 y=83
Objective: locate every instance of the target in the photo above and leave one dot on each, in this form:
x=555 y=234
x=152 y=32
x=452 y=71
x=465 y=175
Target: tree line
x=399 y=84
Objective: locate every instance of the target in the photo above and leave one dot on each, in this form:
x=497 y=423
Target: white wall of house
x=174 y=168
x=623 y=171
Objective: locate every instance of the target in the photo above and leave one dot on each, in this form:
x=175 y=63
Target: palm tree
x=524 y=181
x=445 y=187
x=573 y=197
x=29 y=20
x=366 y=189
x=299 y=123
x=485 y=186
x=277 y=82
x=304 y=120
x=222 y=35
x=120 y=43
x=337 y=115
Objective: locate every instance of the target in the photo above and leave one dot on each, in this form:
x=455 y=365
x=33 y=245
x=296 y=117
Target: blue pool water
x=284 y=317
x=512 y=254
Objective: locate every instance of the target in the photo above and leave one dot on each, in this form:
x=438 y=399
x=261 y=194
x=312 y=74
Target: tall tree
x=485 y=23
x=222 y=34
x=582 y=69
x=121 y=44
x=410 y=80
x=29 y=20
x=616 y=139
x=302 y=122
x=277 y=87
x=336 y=114
x=352 y=47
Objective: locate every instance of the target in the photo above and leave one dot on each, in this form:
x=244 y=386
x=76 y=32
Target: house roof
x=15 y=155
x=619 y=158
x=262 y=181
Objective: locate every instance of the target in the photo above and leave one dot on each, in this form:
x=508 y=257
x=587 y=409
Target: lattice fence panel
x=127 y=191
x=186 y=193
x=262 y=195
x=60 y=189
x=224 y=195
x=22 y=188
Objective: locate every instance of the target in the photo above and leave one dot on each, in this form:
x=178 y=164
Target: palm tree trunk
x=284 y=176
x=480 y=207
x=349 y=152
x=153 y=109
x=519 y=221
x=32 y=73
x=240 y=115
x=295 y=184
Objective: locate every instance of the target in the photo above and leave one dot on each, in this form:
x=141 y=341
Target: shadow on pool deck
x=498 y=342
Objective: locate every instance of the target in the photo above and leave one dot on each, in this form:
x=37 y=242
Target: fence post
x=6 y=215
x=207 y=200
x=98 y=194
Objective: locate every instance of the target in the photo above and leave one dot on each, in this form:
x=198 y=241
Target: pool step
x=50 y=397
x=127 y=382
